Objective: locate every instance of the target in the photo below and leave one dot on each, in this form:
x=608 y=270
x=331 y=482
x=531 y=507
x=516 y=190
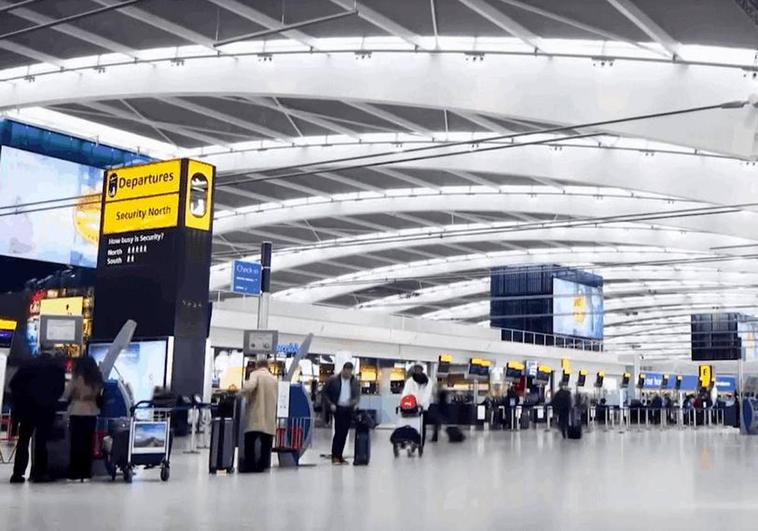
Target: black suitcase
x=454 y=434
x=575 y=424
x=362 y=450
x=221 y=455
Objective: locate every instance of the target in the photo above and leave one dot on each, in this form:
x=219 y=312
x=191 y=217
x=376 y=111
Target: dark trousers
x=82 y=441
x=563 y=423
x=342 y=419
x=40 y=424
x=258 y=450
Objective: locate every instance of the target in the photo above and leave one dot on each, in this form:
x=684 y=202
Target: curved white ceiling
x=255 y=107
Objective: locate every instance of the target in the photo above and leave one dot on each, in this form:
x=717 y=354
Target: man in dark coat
x=342 y=393
x=562 y=405
x=36 y=388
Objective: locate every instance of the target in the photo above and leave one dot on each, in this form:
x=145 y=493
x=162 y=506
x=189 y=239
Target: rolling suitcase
x=362 y=450
x=454 y=434
x=575 y=424
x=221 y=455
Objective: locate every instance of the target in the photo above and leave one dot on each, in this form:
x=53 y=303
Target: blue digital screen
x=577 y=309
x=66 y=235
x=142 y=366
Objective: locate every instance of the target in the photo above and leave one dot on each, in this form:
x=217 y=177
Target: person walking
x=342 y=392
x=261 y=393
x=36 y=388
x=561 y=404
x=82 y=394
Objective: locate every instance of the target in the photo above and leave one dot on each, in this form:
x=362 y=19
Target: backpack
x=408 y=403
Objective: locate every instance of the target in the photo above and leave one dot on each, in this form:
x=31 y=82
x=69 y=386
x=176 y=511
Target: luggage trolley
x=141 y=440
x=409 y=435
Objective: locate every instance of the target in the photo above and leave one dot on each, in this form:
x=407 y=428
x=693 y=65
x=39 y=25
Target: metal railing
x=550 y=340
x=611 y=418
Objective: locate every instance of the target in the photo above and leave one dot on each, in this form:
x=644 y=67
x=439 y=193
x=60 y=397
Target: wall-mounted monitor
x=443 y=365
x=142 y=365
x=582 y=378
x=577 y=309
x=599 y=379
x=60 y=330
x=514 y=370
x=479 y=368
x=543 y=374
x=565 y=377
x=62 y=235
x=7 y=329
x=625 y=379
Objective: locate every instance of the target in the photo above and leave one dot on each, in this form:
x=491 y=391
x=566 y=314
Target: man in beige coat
x=261 y=393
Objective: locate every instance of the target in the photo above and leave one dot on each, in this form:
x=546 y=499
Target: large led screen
x=748 y=333
x=62 y=235
x=577 y=309
x=142 y=366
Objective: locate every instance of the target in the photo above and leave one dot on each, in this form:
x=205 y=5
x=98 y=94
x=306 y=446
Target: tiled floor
x=529 y=480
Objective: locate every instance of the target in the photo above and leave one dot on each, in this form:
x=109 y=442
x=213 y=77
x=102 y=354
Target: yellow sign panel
x=706 y=375
x=141 y=214
x=566 y=364
x=142 y=181
x=199 y=195
x=446 y=358
x=7 y=324
x=64 y=306
x=544 y=368
x=515 y=365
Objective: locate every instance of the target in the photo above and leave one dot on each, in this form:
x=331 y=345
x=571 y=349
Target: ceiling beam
x=503 y=21
x=162 y=24
x=389 y=117
x=223 y=117
x=383 y=22
x=301 y=115
x=578 y=25
x=118 y=113
x=483 y=122
x=647 y=25
x=401 y=176
x=253 y=15
x=30 y=53
x=71 y=30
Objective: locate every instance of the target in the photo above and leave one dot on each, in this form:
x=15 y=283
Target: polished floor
x=671 y=479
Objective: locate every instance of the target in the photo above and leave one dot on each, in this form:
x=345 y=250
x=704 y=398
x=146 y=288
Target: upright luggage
x=575 y=424
x=364 y=423
x=221 y=456
x=362 y=450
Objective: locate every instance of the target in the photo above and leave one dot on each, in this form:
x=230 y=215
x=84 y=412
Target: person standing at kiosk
x=260 y=389
x=82 y=395
x=36 y=388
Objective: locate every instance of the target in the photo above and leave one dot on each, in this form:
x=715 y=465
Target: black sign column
x=154 y=261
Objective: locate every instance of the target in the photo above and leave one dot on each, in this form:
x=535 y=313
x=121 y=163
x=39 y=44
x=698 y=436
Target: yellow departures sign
x=142 y=197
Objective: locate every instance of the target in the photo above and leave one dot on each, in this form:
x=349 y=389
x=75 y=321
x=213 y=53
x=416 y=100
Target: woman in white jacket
x=419 y=386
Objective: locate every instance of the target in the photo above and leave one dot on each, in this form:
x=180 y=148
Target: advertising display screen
x=61 y=235
x=747 y=331
x=577 y=309
x=142 y=365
